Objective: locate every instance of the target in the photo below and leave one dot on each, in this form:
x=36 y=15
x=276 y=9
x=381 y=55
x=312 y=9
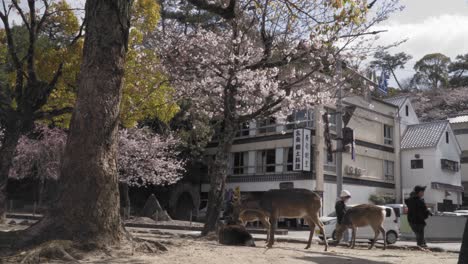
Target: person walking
x=340 y=210
x=418 y=213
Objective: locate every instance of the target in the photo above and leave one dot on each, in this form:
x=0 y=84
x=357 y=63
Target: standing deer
x=289 y=203
x=248 y=215
x=360 y=216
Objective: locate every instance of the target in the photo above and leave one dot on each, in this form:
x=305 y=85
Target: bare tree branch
x=21 y=12
x=224 y=12
x=53 y=113
x=363 y=34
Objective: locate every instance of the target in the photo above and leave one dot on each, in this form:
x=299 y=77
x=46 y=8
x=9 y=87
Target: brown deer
x=234 y=235
x=289 y=203
x=247 y=216
x=360 y=216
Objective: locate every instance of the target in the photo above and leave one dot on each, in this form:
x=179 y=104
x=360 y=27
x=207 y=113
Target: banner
x=306 y=150
x=302 y=140
x=297 y=149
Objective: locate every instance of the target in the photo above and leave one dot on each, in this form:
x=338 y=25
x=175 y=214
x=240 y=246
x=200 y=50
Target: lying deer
x=234 y=235
x=289 y=203
x=247 y=216
x=360 y=216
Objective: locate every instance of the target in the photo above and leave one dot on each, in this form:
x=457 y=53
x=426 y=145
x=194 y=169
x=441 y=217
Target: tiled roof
x=425 y=135
x=397 y=100
x=459 y=119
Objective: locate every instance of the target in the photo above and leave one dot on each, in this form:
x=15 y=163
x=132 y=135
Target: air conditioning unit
x=350 y=170
x=359 y=171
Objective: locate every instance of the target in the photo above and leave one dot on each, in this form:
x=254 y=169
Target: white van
x=391 y=226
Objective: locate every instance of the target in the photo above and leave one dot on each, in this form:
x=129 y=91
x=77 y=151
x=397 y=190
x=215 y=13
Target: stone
x=154 y=210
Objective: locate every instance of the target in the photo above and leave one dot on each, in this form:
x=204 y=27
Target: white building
x=430 y=156
x=262 y=155
x=460 y=129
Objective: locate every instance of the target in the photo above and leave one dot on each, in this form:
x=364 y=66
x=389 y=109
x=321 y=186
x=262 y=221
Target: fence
x=439 y=228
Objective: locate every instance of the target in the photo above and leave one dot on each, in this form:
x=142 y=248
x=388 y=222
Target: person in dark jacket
x=340 y=209
x=417 y=214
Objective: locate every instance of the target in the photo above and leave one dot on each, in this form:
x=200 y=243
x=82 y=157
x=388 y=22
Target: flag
x=353 y=149
x=383 y=82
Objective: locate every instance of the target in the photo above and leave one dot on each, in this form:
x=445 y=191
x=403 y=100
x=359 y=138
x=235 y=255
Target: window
x=240 y=162
x=447 y=137
x=417 y=164
x=243 y=130
x=388 y=135
x=389 y=170
x=300 y=119
x=449 y=165
x=288 y=159
x=266 y=125
x=266 y=160
x=407 y=110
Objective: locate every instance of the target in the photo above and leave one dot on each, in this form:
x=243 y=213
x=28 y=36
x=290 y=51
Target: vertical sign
x=306 y=150
x=297 y=149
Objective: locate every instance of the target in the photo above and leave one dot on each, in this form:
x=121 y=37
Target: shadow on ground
x=337 y=259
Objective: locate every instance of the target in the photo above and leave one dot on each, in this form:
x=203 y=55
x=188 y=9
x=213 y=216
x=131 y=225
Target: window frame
x=263 y=166
x=387 y=175
x=243 y=160
x=388 y=139
x=415 y=164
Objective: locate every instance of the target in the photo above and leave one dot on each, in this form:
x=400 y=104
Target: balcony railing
x=274 y=129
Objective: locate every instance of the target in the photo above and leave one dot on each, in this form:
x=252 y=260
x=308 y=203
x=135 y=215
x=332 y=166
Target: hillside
x=437 y=105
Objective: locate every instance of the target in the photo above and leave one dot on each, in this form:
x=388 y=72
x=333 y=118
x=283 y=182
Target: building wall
x=432 y=171
x=461 y=132
x=411 y=119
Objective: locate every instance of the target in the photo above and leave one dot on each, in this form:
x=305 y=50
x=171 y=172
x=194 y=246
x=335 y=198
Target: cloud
x=446 y=34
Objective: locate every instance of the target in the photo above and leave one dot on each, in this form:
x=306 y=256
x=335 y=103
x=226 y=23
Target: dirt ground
x=190 y=250
x=186 y=249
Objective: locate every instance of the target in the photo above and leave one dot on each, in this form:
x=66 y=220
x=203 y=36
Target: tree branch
x=21 y=12
x=53 y=113
x=363 y=34
x=227 y=13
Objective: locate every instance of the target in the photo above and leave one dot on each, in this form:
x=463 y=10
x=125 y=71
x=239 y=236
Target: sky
x=430 y=26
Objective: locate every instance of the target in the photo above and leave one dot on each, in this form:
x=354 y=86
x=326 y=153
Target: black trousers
x=418 y=230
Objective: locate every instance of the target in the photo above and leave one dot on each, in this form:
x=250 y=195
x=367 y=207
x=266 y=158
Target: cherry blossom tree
x=144 y=158
x=245 y=60
x=38 y=156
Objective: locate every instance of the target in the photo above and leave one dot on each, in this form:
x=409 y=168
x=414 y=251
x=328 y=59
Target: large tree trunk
x=7 y=152
x=463 y=257
x=124 y=200
x=218 y=172
x=87 y=205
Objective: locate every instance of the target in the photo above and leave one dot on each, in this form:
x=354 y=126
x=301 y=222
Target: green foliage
x=385 y=60
x=146 y=92
x=432 y=70
x=459 y=71
x=380 y=199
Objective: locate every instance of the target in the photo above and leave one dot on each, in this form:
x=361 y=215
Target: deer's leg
x=271 y=234
x=377 y=231
x=312 y=229
x=266 y=225
x=353 y=237
x=384 y=234
x=315 y=218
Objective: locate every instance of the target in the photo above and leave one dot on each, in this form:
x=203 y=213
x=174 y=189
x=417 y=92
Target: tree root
x=148 y=246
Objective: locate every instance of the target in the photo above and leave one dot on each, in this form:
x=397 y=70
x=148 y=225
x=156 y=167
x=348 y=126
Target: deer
x=360 y=216
x=288 y=203
x=234 y=235
x=247 y=216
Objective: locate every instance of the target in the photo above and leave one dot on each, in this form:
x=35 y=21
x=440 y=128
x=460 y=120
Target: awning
x=446 y=187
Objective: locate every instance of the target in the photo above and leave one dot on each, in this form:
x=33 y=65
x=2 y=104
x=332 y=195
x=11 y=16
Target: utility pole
x=339 y=133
